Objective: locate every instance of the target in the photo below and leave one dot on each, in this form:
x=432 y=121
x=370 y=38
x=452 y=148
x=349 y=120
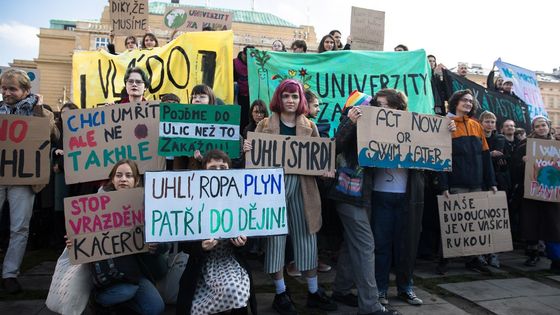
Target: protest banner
x=503 y=106
x=474 y=224
x=525 y=86
x=129 y=17
x=105 y=225
x=334 y=75
x=195 y=205
x=25 y=149
x=391 y=138
x=367 y=28
x=95 y=139
x=297 y=155
x=193 y=19
x=183 y=129
x=188 y=60
x=33 y=75
x=542 y=170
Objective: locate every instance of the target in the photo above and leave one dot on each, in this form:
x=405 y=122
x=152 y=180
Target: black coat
x=539 y=220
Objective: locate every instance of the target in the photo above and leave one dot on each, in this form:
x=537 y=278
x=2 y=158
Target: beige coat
x=309 y=190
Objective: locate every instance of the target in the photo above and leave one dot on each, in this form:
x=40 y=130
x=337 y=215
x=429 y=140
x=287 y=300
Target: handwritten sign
x=95 y=139
x=334 y=75
x=193 y=205
x=193 y=19
x=105 y=225
x=297 y=155
x=188 y=60
x=367 y=28
x=525 y=86
x=24 y=150
x=542 y=170
x=399 y=139
x=474 y=224
x=183 y=129
x=503 y=106
x=129 y=17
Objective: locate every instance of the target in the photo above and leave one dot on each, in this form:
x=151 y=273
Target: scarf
x=23 y=107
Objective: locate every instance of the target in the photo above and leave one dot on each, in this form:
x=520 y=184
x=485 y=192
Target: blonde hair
x=20 y=76
x=486 y=115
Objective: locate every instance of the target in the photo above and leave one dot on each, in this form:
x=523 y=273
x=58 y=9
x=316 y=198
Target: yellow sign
x=190 y=59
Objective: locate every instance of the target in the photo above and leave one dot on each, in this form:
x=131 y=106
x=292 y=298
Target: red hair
x=290 y=86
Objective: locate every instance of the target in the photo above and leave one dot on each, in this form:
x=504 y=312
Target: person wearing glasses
x=129 y=42
x=472 y=164
x=258 y=112
x=135 y=84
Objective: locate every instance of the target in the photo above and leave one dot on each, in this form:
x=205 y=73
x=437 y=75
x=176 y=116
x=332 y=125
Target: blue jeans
x=143 y=297
x=389 y=212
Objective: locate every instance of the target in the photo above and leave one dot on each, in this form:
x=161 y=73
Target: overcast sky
x=476 y=31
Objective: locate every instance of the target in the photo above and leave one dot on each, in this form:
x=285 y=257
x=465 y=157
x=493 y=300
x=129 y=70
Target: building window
x=101 y=42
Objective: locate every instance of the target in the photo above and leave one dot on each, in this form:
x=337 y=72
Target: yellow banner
x=190 y=59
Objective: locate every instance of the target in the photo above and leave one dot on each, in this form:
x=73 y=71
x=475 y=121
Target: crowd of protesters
x=386 y=222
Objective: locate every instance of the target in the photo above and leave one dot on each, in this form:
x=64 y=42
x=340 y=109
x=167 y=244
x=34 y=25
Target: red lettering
x=104 y=201
x=76 y=142
x=16 y=131
x=75 y=227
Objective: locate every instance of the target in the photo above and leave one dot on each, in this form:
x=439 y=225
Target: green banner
x=183 y=129
x=334 y=75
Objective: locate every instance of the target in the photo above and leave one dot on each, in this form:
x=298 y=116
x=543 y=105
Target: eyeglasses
x=258 y=112
x=467 y=100
x=137 y=82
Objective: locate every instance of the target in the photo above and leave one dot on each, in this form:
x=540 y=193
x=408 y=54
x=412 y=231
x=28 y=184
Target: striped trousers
x=304 y=243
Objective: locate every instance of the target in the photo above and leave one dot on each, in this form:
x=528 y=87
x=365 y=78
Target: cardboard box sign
x=192 y=19
x=105 y=225
x=194 y=205
x=474 y=224
x=129 y=17
x=391 y=138
x=297 y=155
x=24 y=150
x=542 y=170
x=96 y=139
x=367 y=28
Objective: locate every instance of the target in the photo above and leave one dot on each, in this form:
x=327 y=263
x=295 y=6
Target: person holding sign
x=216 y=279
x=337 y=38
x=128 y=280
x=538 y=220
x=472 y=164
x=396 y=215
x=18 y=100
x=129 y=43
x=352 y=192
x=289 y=110
x=201 y=94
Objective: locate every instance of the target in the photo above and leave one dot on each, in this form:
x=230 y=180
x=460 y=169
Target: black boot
x=533 y=258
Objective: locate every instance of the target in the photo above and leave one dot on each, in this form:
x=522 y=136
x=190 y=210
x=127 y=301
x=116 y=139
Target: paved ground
x=513 y=289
